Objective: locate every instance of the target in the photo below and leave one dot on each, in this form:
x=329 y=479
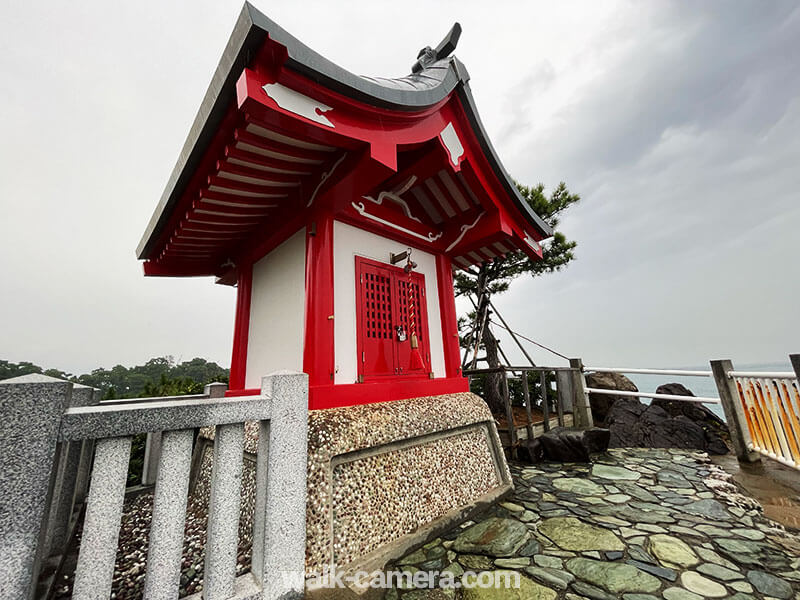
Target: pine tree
x=495 y=277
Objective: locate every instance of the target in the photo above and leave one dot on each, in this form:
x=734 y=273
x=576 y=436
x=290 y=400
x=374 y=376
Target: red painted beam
x=318 y=347
x=241 y=329
x=447 y=308
x=178 y=268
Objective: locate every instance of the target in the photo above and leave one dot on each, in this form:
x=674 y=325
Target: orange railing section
x=771 y=407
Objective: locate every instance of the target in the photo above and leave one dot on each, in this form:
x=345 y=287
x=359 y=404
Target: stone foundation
x=384 y=477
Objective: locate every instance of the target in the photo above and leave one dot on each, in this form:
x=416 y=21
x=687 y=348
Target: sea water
x=700 y=386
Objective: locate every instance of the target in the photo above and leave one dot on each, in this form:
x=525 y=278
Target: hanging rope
x=417 y=362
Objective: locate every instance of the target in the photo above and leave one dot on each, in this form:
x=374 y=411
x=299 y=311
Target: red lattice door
x=375 y=317
x=383 y=321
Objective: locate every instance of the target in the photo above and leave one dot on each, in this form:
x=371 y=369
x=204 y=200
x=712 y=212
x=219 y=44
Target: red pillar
x=241 y=328
x=318 y=354
x=447 y=306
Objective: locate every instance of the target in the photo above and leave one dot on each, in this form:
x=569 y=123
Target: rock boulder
x=601 y=403
x=714 y=428
x=633 y=424
x=571 y=445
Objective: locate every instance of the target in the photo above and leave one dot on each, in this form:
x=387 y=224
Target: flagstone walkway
x=637 y=524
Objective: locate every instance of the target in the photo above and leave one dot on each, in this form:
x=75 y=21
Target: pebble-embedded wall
x=378 y=472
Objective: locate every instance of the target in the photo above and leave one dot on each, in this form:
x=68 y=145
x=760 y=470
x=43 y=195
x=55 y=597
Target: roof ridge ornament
x=428 y=55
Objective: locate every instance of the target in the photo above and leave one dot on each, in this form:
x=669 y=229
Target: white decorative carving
x=532 y=243
x=298 y=103
x=464 y=230
x=450 y=140
x=431 y=237
x=324 y=178
x=394 y=196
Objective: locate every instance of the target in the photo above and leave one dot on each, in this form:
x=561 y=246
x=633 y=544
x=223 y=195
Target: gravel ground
x=129 y=570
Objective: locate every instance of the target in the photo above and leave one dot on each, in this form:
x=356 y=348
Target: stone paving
x=636 y=523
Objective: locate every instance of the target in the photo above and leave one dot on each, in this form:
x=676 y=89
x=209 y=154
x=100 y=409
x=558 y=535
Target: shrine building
x=299 y=181
x=339 y=206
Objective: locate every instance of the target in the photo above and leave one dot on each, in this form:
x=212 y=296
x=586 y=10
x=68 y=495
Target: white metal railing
x=698 y=399
x=675 y=372
x=28 y=448
x=654 y=396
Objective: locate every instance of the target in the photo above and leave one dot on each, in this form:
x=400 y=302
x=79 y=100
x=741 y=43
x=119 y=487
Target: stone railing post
x=152 y=448
x=31 y=408
x=279 y=521
x=734 y=412
x=63 y=501
x=582 y=410
x=152 y=456
x=215 y=390
x=85 y=464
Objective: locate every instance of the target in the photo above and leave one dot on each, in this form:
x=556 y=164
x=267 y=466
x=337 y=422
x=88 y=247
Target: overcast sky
x=678 y=123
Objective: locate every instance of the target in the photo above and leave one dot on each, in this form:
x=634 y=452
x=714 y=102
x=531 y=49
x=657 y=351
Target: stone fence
x=60 y=446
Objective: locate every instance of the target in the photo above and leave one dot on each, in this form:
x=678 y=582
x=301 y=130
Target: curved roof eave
x=414 y=92
x=468 y=102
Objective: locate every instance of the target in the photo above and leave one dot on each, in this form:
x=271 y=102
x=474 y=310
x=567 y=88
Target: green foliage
x=9 y=369
x=157 y=377
x=556 y=253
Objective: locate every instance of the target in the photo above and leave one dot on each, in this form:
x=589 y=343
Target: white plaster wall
x=349 y=242
x=277 y=306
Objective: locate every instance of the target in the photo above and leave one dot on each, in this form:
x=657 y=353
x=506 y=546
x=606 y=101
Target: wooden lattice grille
x=383 y=320
x=378 y=303
x=403 y=306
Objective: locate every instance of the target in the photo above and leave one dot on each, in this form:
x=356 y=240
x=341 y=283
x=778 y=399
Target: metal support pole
x=734 y=412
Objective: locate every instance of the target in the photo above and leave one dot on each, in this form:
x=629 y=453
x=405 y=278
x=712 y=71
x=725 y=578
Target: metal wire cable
x=527 y=339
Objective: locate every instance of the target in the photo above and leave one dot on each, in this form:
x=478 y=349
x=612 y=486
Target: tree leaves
x=557 y=252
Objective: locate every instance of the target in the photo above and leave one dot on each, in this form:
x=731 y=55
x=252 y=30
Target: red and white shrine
x=298 y=183
x=339 y=206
